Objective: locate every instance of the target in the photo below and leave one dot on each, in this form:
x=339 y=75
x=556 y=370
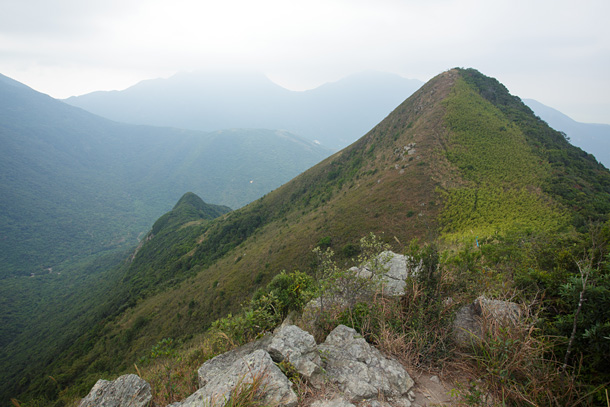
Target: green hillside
x=505 y=202
x=74 y=184
x=77 y=191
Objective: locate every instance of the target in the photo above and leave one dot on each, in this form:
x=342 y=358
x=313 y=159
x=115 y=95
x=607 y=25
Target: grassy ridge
x=575 y=179
x=503 y=173
x=193 y=271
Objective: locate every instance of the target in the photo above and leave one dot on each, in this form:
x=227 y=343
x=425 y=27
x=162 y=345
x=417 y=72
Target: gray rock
x=359 y=370
x=218 y=364
x=299 y=347
x=386 y=273
x=401 y=402
x=392 y=269
x=466 y=327
x=504 y=312
x=468 y=323
x=217 y=391
x=336 y=402
x=128 y=390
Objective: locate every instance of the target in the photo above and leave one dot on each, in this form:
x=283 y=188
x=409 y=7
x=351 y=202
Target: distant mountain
x=334 y=114
x=74 y=184
x=593 y=138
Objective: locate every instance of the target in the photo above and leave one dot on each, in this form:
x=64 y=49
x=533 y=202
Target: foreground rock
x=298 y=347
x=217 y=365
x=345 y=361
x=470 y=320
x=244 y=371
x=359 y=370
x=126 y=391
x=351 y=371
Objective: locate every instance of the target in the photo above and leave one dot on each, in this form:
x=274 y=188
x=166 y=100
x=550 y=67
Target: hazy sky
x=554 y=51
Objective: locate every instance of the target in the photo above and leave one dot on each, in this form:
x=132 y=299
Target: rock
x=128 y=390
x=387 y=273
x=504 y=312
x=468 y=323
x=217 y=391
x=465 y=326
x=218 y=364
x=393 y=270
x=359 y=370
x=374 y=403
x=336 y=402
x=299 y=347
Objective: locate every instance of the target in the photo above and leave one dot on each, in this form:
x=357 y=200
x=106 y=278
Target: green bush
x=268 y=307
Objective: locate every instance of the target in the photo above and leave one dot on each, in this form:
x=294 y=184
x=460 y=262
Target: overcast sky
x=554 y=51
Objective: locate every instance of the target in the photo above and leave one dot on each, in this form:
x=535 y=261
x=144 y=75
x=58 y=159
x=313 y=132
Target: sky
x=554 y=51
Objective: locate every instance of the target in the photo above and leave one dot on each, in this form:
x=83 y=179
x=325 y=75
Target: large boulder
x=468 y=326
x=385 y=274
x=126 y=391
x=359 y=370
x=277 y=389
x=215 y=366
x=390 y=271
x=297 y=346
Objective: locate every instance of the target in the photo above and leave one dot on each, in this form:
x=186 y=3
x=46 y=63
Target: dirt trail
x=431 y=391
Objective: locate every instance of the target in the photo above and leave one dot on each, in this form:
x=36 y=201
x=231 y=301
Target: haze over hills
x=74 y=183
x=334 y=114
x=459 y=160
x=591 y=137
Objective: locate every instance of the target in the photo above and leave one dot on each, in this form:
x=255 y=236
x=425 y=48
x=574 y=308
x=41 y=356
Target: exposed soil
x=431 y=391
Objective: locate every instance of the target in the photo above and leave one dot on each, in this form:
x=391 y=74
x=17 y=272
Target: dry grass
x=513 y=362
x=247 y=393
x=175 y=378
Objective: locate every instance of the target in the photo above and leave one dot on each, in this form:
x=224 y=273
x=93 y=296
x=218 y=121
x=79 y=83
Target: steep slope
x=591 y=137
x=77 y=190
x=38 y=325
x=335 y=114
x=74 y=184
x=459 y=159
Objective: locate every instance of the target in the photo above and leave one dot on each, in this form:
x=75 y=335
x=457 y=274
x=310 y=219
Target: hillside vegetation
x=74 y=184
x=462 y=177
x=591 y=137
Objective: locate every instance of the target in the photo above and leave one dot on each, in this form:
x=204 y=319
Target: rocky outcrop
x=470 y=319
x=385 y=274
x=126 y=391
x=345 y=361
x=277 y=389
x=355 y=372
x=335 y=402
x=359 y=370
x=299 y=348
x=215 y=366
